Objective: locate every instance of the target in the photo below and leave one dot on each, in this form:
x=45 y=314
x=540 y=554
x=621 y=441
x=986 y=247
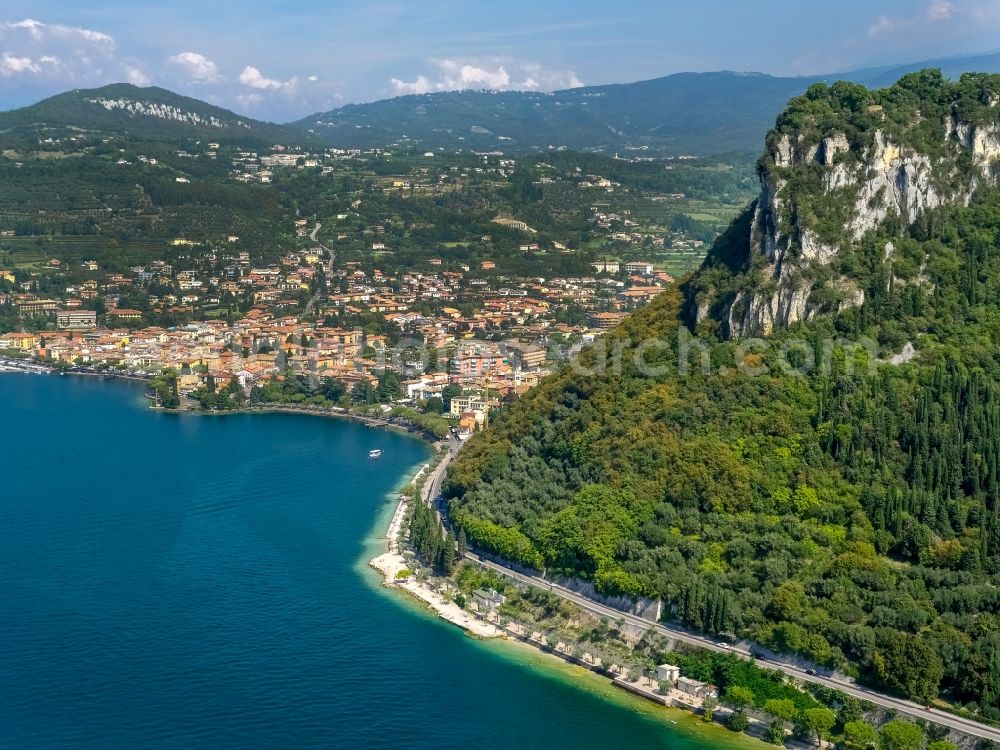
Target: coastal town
x=406 y=289
x=507 y=338
x=443 y=282
x=457 y=335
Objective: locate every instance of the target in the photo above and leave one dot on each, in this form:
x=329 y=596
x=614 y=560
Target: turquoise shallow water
x=172 y=581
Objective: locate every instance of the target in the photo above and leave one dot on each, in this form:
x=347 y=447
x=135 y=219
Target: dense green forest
x=102 y=202
x=804 y=491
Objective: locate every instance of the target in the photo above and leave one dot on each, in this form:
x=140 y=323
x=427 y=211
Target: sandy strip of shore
x=391 y=562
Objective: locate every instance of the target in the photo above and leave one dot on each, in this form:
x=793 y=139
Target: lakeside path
x=452 y=613
x=320 y=411
x=914 y=710
x=30 y=366
x=392 y=562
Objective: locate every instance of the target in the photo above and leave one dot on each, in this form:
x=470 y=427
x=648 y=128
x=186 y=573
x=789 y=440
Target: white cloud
x=253 y=78
x=39 y=31
x=538 y=77
x=198 y=67
x=33 y=27
x=938 y=11
x=12 y=65
x=464 y=75
x=54 y=55
x=422 y=85
x=40 y=58
x=494 y=74
x=137 y=76
x=16 y=65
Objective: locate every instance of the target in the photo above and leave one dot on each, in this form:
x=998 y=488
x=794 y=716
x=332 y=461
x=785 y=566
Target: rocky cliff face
x=796 y=237
x=162 y=111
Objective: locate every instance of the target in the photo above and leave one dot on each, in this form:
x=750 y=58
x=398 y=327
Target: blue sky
x=281 y=63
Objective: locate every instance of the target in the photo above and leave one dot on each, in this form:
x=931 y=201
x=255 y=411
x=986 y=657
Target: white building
x=697 y=688
x=640 y=267
x=668 y=673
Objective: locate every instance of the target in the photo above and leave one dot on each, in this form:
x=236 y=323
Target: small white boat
x=374 y=453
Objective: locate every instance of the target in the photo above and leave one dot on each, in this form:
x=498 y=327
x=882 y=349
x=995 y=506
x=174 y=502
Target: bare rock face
x=883 y=180
x=136 y=108
x=898 y=183
x=982 y=140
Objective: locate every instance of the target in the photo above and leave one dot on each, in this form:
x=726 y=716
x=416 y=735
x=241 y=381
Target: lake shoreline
x=40 y=368
x=325 y=412
x=398 y=577
x=394 y=568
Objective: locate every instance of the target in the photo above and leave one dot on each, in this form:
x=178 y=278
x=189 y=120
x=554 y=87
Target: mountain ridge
x=148 y=112
x=698 y=113
x=701 y=113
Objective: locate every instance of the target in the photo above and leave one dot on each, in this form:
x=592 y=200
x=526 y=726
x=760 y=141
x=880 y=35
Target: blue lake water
x=176 y=581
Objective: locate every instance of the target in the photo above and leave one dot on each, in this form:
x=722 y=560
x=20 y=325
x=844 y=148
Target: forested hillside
x=830 y=490
x=684 y=113
x=147 y=113
x=687 y=113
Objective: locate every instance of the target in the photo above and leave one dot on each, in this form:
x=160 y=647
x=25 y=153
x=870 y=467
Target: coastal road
x=432 y=489
x=958 y=723
x=329 y=272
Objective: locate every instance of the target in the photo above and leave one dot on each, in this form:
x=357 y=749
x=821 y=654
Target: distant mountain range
x=144 y=112
x=684 y=113
x=696 y=113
